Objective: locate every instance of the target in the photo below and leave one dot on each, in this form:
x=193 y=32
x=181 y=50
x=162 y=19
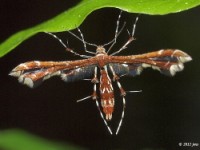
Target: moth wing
x=34 y=73
x=168 y=62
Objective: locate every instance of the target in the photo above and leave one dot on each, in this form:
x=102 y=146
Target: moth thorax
x=100 y=50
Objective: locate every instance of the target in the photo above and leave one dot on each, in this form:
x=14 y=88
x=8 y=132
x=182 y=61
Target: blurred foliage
x=21 y=140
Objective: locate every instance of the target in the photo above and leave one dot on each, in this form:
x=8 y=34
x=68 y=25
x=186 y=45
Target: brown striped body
x=106 y=93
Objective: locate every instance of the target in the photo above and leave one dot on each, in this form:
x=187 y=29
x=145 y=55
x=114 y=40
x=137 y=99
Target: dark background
x=163 y=115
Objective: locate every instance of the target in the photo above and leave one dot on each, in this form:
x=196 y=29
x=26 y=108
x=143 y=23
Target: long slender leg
x=67 y=48
x=82 y=99
x=123 y=93
x=95 y=81
x=105 y=122
x=94 y=97
x=122 y=116
x=116 y=78
x=131 y=38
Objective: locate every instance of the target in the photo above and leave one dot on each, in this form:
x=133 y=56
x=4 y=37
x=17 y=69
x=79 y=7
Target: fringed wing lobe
x=33 y=73
x=168 y=62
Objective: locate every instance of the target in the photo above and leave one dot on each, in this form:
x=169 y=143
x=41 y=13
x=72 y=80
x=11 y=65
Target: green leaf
x=73 y=17
x=21 y=140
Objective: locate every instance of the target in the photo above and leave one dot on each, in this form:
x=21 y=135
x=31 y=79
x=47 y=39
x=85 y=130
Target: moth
x=103 y=69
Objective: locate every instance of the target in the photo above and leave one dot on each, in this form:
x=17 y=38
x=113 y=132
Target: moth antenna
x=67 y=48
x=117 y=27
x=57 y=38
x=131 y=38
x=84 y=43
x=113 y=41
x=117 y=32
x=76 y=36
x=134 y=26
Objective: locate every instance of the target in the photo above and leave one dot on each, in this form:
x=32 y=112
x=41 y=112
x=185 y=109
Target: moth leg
x=116 y=78
x=122 y=116
x=105 y=122
x=95 y=81
x=94 y=97
x=123 y=94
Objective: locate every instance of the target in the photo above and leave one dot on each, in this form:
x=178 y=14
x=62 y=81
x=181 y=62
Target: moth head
x=100 y=50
